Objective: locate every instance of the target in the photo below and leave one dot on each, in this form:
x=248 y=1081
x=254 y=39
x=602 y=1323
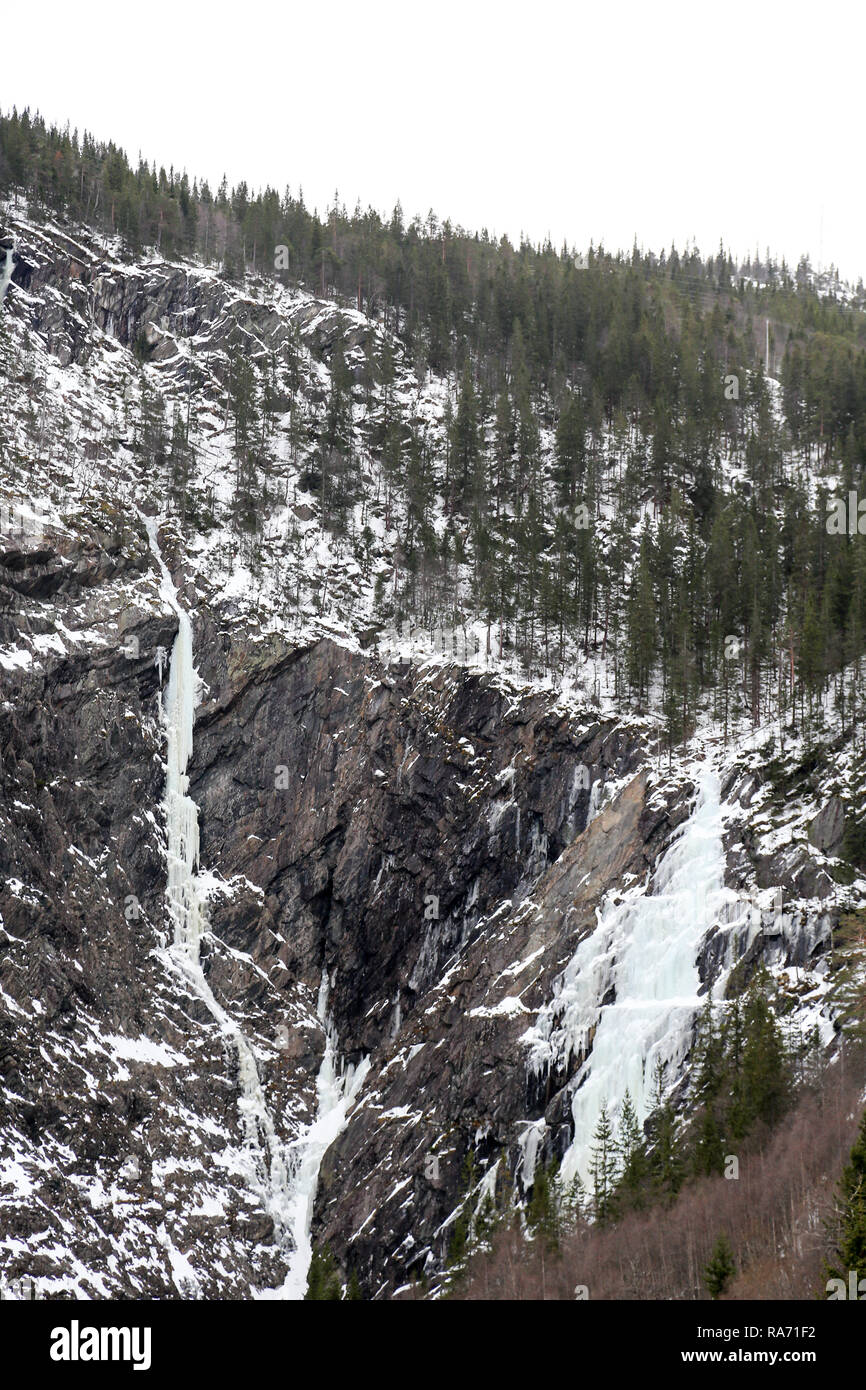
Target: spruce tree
x=847 y=984
x=710 y=1065
x=466 y=444
x=850 y=1239
x=720 y=1269
x=762 y=1086
x=603 y=1168
x=570 y=448
x=632 y=1156
x=642 y=620
x=666 y=1163
x=542 y=1215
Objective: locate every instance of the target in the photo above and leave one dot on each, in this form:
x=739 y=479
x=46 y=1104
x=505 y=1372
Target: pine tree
x=811 y=650
x=632 y=1155
x=570 y=448
x=666 y=1165
x=503 y=435
x=710 y=1066
x=466 y=444
x=708 y=1056
x=847 y=970
x=761 y=1088
x=243 y=409
x=721 y=1268
x=572 y=1201
x=642 y=619
x=603 y=1168
x=181 y=459
x=339 y=488
x=541 y=1213
x=709 y=1156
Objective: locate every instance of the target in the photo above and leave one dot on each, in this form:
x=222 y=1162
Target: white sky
x=665 y=121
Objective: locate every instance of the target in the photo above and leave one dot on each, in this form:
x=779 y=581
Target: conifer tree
x=466 y=444
x=720 y=1269
x=632 y=1155
x=761 y=1087
x=848 y=966
x=181 y=458
x=570 y=448
x=603 y=1168
x=666 y=1163
x=541 y=1214
x=642 y=618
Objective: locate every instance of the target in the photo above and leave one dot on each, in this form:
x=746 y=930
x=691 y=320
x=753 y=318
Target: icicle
x=529 y=1142
x=267 y=1166
x=594 y=801
x=7 y=272
x=181 y=812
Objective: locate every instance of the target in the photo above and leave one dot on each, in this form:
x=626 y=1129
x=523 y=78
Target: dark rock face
x=454 y=1079
x=413 y=807
x=362 y=819
x=419 y=833
x=73 y=289
x=420 y=813
x=828 y=827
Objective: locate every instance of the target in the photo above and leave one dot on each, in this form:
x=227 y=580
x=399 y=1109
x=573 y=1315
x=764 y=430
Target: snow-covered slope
x=302 y=890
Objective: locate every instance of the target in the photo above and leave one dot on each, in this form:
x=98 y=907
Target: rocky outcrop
x=366 y=801
x=828 y=827
x=454 y=1080
x=75 y=290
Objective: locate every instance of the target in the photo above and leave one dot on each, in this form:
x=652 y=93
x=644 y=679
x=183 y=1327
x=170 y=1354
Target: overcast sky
x=662 y=121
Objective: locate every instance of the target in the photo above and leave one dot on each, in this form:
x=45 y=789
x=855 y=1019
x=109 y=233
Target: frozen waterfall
x=284 y=1174
x=642 y=956
x=264 y=1156
x=335 y=1091
x=181 y=811
x=7 y=271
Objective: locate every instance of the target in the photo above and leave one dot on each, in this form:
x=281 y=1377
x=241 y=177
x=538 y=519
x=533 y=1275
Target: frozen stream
x=283 y=1174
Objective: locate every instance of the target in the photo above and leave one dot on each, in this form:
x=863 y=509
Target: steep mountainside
x=454 y=895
